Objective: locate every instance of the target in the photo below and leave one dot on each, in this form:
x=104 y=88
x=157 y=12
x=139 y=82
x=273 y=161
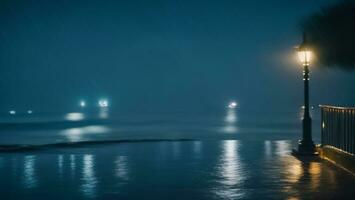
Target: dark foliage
x=331 y=32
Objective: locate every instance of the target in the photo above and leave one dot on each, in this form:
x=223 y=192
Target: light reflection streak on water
x=293 y=171
x=30 y=179
x=230 y=171
x=315 y=172
x=296 y=173
x=283 y=147
x=78 y=134
x=74 y=116
x=304 y=174
x=176 y=149
x=72 y=164
x=268 y=150
x=60 y=164
x=103 y=113
x=197 y=145
x=230 y=121
x=293 y=167
x=121 y=169
x=89 y=179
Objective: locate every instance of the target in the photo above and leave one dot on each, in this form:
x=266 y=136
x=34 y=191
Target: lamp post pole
x=306 y=141
x=306 y=145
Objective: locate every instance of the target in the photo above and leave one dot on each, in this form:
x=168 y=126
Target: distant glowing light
x=103 y=103
x=74 y=116
x=29 y=111
x=12 y=112
x=232 y=104
x=323 y=125
x=82 y=104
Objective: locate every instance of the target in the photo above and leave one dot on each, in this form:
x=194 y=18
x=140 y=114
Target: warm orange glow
x=305 y=56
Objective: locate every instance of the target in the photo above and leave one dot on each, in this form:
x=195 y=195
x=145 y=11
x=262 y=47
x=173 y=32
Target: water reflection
x=72 y=165
x=197 y=145
x=315 y=171
x=30 y=179
x=60 y=164
x=293 y=170
x=121 y=169
x=176 y=149
x=74 y=116
x=300 y=176
x=78 y=134
x=103 y=113
x=267 y=146
x=226 y=169
x=231 y=116
x=230 y=171
x=89 y=179
x=283 y=147
x=230 y=121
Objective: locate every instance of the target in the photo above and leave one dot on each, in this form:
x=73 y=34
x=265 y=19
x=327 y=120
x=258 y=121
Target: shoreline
x=12 y=148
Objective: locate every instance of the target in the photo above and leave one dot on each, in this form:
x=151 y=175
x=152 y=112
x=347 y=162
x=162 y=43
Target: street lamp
x=306 y=145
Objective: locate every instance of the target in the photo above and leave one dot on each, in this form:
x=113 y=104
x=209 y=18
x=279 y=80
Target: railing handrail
x=337 y=107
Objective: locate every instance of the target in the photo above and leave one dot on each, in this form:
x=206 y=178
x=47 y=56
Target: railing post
x=322 y=125
x=347 y=138
x=352 y=137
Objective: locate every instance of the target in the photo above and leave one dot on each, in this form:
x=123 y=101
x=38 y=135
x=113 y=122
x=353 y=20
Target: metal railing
x=338 y=128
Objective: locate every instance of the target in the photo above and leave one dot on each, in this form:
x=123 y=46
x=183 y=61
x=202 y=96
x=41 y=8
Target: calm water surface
x=230 y=156
x=75 y=127
x=225 y=169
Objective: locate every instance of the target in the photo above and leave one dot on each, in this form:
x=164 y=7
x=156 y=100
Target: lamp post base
x=305 y=148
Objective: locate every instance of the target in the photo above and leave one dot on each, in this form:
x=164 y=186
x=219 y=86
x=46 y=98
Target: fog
x=159 y=56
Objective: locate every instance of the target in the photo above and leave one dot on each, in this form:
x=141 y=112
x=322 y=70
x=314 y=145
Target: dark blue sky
x=159 y=55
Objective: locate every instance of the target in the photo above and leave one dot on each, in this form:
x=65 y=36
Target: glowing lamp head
x=304 y=52
x=304 y=56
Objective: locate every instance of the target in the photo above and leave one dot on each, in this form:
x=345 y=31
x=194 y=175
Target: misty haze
x=171 y=99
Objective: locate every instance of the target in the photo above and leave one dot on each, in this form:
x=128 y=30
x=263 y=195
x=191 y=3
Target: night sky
x=159 y=56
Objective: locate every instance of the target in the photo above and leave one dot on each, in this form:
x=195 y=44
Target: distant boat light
x=82 y=104
x=103 y=103
x=232 y=104
x=12 y=112
x=29 y=111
